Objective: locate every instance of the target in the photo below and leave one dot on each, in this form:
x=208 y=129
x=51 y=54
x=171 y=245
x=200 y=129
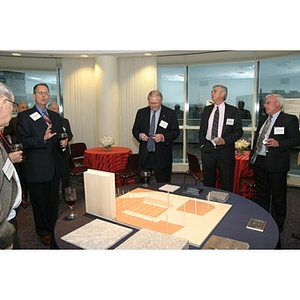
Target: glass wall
x=22 y=83
x=248 y=82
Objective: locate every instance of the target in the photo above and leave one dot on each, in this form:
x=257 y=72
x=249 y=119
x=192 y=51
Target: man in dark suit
x=65 y=154
x=276 y=134
x=155 y=150
x=218 y=145
x=37 y=130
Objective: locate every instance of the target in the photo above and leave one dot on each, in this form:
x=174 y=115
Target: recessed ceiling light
x=84 y=55
x=16 y=54
x=148 y=54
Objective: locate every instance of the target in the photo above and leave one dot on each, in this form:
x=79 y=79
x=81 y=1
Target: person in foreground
x=10 y=188
x=220 y=128
x=276 y=134
x=37 y=130
x=155 y=128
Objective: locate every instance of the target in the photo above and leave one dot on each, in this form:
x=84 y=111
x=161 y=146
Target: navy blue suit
x=270 y=171
x=163 y=150
x=41 y=167
x=223 y=156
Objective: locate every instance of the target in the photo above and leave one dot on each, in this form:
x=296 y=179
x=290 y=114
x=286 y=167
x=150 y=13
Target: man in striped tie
x=37 y=130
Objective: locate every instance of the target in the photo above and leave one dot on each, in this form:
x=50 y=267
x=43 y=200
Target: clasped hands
x=49 y=134
x=156 y=137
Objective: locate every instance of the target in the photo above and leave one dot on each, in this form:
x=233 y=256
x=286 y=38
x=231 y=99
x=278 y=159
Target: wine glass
x=146 y=174
x=62 y=136
x=70 y=195
x=16 y=147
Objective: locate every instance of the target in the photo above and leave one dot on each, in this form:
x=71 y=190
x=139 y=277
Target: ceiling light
x=84 y=55
x=16 y=54
x=148 y=54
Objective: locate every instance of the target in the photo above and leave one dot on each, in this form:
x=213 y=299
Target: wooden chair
x=76 y=162
x=130 y=171
x=194 y=168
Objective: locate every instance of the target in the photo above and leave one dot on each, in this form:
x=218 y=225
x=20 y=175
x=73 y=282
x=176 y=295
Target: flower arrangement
x=240 y=146
x=107 y=142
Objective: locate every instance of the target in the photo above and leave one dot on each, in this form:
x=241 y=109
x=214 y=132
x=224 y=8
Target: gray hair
x=278 y=98
x=5 y=92
x=155 y=93
x=223 y=89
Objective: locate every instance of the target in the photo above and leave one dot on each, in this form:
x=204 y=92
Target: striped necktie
x=46 y=117
x=214 y=131
x=263 y=134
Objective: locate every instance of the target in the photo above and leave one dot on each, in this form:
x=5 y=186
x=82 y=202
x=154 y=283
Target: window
x=22 y=82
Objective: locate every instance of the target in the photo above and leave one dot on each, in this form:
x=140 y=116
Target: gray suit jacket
x=8 y=193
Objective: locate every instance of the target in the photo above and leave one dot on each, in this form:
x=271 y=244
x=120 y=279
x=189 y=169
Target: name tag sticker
x=279 y=130
x=229 y=121
x=8 y=169
x=163 y=124
x=35 y=116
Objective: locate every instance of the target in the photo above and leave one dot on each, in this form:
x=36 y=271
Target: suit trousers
x=213 y=161
x=271 y=188
x=161 y=175
x=44 y=198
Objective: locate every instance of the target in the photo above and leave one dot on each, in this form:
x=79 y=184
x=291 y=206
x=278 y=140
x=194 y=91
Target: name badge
x=163 y=124
x=35 y=116
x=278 y=130
x=8 y=169
x=229 y=121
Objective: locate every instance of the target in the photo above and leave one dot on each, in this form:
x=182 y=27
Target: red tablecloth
x=241 y=169
x=109 y=161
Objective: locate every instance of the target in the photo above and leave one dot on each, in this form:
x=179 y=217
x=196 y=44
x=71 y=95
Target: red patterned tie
x=46 y=117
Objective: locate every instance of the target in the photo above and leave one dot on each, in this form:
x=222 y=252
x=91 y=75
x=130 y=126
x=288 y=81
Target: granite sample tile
x=146 y=239
x=97 y=234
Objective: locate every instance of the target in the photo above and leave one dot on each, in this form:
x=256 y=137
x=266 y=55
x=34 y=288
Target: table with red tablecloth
x=108 y=161
x=241 y=169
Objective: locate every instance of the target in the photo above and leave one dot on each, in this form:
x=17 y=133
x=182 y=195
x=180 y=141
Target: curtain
x=79 y=98
x=137 y=77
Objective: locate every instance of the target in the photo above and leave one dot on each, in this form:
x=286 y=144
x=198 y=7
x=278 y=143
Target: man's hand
x=16 y=157
x=48 y=135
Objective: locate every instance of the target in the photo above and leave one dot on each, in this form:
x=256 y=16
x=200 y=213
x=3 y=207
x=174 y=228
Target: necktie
x=150 y=142
x=214 y=131
x=46 y=117
x=263 y=133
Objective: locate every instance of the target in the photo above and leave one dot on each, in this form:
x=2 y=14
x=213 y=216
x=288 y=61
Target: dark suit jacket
x=278 y=158
x=163 y=150
x=230 y=133
x=41 y=158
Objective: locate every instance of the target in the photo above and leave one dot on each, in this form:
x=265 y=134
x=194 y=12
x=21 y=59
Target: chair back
x=77 y=151
x=132 y=162
x=194 y=165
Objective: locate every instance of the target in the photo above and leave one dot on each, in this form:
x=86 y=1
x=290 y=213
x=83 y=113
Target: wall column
x=107 y=98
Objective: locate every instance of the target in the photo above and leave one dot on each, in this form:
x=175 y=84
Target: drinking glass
x=146 y=174
x=70 y=195
x=62 y=136
x=16 y=147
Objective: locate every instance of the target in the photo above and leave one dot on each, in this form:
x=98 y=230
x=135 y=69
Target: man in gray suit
x=218 y=145
x=10 y=188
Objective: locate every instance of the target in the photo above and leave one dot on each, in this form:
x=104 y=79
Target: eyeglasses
x=15 y=104
x=42 y=93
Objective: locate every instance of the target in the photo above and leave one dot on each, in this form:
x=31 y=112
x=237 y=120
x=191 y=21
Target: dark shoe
x=46 y=240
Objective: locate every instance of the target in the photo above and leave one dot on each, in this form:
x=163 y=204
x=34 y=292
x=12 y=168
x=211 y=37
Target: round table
x=109 y=161
x=232 y=225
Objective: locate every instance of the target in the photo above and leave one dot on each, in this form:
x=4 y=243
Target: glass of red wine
x=62 y=136
x=71 y=197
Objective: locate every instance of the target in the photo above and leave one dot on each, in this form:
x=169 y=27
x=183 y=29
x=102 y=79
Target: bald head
x=54 y=107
